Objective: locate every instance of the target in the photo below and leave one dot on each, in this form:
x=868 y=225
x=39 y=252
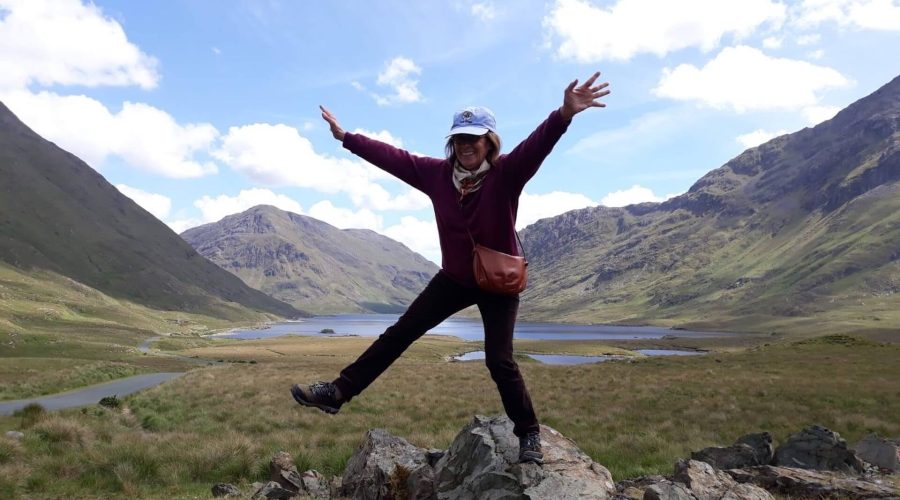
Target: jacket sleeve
x=417 y=171
x=523 y=161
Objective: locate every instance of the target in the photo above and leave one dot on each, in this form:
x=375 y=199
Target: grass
x=223 y=423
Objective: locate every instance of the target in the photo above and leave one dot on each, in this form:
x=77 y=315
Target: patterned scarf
x=469 y=181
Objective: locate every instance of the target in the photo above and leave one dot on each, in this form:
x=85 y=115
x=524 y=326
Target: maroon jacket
x=489 y=213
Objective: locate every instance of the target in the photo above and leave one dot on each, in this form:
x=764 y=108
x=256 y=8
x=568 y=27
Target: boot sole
x=298 y=397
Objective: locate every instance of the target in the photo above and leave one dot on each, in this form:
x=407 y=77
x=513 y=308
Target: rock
x=707 y=483
x=283 y=471
x=375 y=470
x=273 y=490
x=668 y=490
x=15 y=435
x=482 y=463
x=749 y=450
x=315 y=484
x=818 y=448
x=225 y=490
x=761 y=442
x=733 y=457
x=881 y=452
x=794 y=482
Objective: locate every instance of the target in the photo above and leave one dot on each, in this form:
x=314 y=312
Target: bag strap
x=472 y=239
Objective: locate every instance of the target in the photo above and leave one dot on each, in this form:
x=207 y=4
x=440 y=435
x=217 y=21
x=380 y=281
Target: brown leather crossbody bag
x=499 y=272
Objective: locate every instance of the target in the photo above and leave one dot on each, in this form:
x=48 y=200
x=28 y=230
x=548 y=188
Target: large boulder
x=749 y=450
x=818 y=448
x=383 y=466
x=881 y=452
x=794 y=482
x=707 y=483
x=483 y=463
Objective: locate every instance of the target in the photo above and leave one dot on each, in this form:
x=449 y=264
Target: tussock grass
x=223 y=423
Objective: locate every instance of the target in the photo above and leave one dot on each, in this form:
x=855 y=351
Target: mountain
x=59 y=215
x=313 y=265
x=802 y=232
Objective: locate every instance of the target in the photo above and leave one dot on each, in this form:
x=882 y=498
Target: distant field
x=223 y=423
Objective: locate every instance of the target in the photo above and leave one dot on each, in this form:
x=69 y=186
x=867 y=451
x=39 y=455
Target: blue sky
x=198 y=109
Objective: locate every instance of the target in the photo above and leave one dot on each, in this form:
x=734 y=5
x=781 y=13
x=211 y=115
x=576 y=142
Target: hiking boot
x=321 y=395
x=530 y=448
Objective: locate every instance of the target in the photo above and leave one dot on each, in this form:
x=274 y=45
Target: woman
x=475 y=192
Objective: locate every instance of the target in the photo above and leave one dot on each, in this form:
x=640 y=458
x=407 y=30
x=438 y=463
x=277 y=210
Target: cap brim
x=469 y=131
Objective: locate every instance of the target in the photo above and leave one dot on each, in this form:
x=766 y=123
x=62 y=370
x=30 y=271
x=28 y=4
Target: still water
x=568 y=359
x=464 y=328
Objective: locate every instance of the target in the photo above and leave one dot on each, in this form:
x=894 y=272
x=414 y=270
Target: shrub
x=30 y=415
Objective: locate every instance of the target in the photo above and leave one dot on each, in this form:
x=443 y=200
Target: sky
x=198 y=109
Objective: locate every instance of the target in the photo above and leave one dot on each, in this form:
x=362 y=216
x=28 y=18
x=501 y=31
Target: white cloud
x=279 y=155
x=145 y=137
x=421 y=236
x=817 y=114
x=772 y=42
x=866 y=14
x=383 y=136
x=484 y=11
x=816 y=54
x=533 y=207
x=399 y=76
x=758 y=137
x=215 y=209
x=156 y=204
x=345 y=218
x=743 y=78
x=591 y=33
x=182 y=225
x=633 y=195
x=809 y=39
x=63 y=42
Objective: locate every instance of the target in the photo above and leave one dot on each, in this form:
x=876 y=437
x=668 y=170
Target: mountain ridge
x=313 y=265
x=771 y=238
x=59 y=214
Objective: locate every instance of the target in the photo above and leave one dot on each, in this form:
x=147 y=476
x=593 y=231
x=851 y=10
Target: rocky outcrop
x=801 y=483
x=880 y=452
x=820 y=449
x=482 y=463
x=749 y=450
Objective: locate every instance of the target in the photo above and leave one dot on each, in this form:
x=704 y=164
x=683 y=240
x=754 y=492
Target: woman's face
x=471 y=150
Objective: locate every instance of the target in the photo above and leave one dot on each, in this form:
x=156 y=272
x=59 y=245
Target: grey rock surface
x=225 y=490
x=482 y=463
x=748 y=451
x=273 y=490
x=818 y=448
x=802 y=483
x=668 y=490
x=881 y=452
x=380 y=467
x=707 y=483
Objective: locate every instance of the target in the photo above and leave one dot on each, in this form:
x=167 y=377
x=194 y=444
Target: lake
x=568 y=359
x=464 y=328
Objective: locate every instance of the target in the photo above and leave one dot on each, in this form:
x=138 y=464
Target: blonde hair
x=493 y=154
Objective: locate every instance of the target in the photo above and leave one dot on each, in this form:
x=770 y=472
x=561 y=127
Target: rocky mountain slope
x=801 y=232
x=59 y=215
x=313 y=265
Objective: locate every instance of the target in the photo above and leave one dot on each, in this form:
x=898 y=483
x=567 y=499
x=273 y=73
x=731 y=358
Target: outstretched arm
x=582 y=97
x=395 y=161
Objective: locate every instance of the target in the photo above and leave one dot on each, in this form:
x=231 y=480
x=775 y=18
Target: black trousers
x=442 y=298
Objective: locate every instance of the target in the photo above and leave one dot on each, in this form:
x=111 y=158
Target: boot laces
x=323 y=389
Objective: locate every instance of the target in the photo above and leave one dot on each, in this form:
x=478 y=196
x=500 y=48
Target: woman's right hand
x=333 y=124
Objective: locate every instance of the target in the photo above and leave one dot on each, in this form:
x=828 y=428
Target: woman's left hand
x=582 y=97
